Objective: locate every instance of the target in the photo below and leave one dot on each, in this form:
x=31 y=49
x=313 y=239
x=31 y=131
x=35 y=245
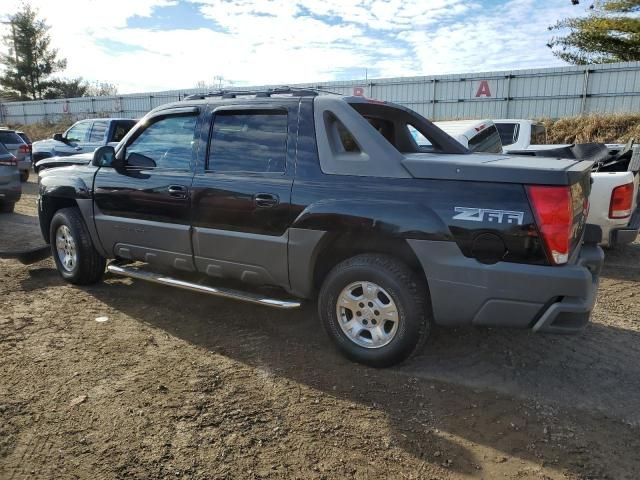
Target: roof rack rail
x=294 y=91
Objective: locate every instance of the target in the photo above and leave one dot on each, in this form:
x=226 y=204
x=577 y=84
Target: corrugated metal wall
x=549 y=92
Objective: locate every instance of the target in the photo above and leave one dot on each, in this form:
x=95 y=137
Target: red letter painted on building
x=358 y=91
x=483 y=89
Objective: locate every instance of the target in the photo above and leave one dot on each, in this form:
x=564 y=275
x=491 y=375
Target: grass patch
x=610 y=128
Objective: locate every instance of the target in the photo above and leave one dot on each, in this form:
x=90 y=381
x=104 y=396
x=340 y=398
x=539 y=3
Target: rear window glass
x=509 y=132
x=24 y=137
x=3 y=150
x=10 y=138
x=487 y=141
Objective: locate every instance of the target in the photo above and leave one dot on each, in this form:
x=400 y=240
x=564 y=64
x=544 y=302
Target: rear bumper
x=24 y=164
x=571 y=314
x=627 y=234
x=10 y=194
x=542 y=298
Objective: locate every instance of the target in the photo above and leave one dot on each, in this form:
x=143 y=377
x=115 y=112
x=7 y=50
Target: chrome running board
x=139 y=274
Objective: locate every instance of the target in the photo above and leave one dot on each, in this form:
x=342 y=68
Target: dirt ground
x=179 y=385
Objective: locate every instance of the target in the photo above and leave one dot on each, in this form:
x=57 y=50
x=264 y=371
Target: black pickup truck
x=330 y=198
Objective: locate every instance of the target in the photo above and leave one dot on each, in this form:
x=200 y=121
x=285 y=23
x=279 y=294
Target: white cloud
x=282 y=41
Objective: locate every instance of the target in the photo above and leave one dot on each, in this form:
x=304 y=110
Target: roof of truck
x=468 y=128
x=517 y=120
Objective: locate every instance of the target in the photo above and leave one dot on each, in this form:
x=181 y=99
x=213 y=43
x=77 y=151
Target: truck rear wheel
x=7 y=207
x=375 y=309
x=72 y=249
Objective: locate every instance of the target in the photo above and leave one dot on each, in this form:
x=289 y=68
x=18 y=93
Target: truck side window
x=487 y=141
x=98 y=131
x=120 y=130
x=78 y=132
x=248 y=141
x=509 y=132
x=538 y=134
x=167 y=143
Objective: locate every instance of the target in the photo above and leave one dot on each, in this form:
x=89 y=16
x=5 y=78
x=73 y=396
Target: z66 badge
x=473 y=214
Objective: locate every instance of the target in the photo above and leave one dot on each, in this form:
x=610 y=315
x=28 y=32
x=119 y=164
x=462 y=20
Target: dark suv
x=331 y=198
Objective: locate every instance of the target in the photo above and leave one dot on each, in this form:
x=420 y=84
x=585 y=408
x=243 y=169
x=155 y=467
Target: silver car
x=19 y=148
x=10 y=188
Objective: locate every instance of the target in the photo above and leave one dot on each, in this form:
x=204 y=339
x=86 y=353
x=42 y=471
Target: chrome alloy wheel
x=367 y=314
x=66 y=248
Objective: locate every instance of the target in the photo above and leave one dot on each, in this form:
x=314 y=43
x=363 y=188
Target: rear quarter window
x=24 y=137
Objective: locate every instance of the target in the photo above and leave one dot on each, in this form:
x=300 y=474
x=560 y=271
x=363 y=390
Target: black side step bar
x=140 y=274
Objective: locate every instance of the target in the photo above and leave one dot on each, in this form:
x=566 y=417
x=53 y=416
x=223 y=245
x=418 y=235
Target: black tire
x=409 y=292
x=7 y=207
x=24 y=175
x=89 y=267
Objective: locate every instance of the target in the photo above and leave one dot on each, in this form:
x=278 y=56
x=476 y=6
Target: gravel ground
x=180 y=385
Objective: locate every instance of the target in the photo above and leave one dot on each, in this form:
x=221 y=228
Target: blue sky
x=150 y=45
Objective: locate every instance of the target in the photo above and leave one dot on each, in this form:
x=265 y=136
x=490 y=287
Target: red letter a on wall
x=483 y=89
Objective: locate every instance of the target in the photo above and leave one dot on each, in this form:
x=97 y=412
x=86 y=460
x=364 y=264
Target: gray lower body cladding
x=544 y=298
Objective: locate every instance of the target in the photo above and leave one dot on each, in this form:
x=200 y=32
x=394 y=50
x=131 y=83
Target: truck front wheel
x=375 y=309
x=72 y=249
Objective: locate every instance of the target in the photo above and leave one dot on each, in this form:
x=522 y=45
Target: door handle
x=177 y=191
x=78 y=148
x=266 y=200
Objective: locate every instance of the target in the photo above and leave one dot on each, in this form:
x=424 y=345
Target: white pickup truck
x=614 y=191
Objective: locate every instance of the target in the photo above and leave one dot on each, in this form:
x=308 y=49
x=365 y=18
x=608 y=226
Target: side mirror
x=58 y=137
x=140 y=161
x=104 y=156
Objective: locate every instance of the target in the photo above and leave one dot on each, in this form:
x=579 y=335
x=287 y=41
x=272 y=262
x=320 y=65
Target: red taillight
x=553 y=211
x=621 y=200
x=24 y=148
x=10 y=162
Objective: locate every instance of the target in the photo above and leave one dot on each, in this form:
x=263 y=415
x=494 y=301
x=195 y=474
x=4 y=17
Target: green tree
x=79 y=87
x=609 y=33
x=67 y=88
x=31 y=60
x=101 y=89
